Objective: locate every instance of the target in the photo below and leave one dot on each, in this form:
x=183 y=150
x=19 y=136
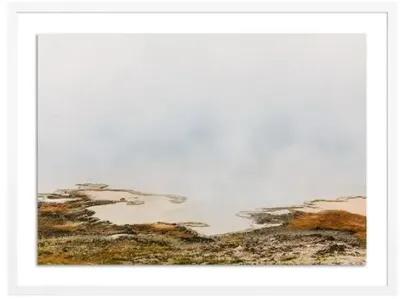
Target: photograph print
x=201 y=149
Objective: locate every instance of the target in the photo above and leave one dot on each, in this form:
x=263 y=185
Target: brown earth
x=331 y=220
x=68 y=233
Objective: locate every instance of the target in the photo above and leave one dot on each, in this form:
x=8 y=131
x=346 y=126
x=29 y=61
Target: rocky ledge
x=310 y=234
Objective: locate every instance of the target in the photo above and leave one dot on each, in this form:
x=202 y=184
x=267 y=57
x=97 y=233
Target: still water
x=220 y=219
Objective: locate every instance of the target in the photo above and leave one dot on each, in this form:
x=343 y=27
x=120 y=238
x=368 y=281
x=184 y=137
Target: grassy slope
x=69 y=234
x=332 y=220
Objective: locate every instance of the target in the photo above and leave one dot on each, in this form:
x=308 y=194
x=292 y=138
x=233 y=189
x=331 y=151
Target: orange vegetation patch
x=67 y=226
x=163 y=226
x=334 y=220
x=169 y=229
x=52 y=208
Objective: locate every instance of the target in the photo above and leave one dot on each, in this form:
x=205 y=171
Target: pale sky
x=262 y=118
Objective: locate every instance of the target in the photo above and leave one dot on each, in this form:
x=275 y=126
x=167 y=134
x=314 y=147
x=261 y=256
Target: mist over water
x=239 y=121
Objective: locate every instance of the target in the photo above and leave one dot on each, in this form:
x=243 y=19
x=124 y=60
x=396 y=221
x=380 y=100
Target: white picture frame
x=26 y=20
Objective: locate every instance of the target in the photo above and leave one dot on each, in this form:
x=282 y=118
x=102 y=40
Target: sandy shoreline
x=72 y=230
x=135 y=207
x=354 y=204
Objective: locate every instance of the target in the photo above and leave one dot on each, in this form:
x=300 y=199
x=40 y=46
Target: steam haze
x=238 y=119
